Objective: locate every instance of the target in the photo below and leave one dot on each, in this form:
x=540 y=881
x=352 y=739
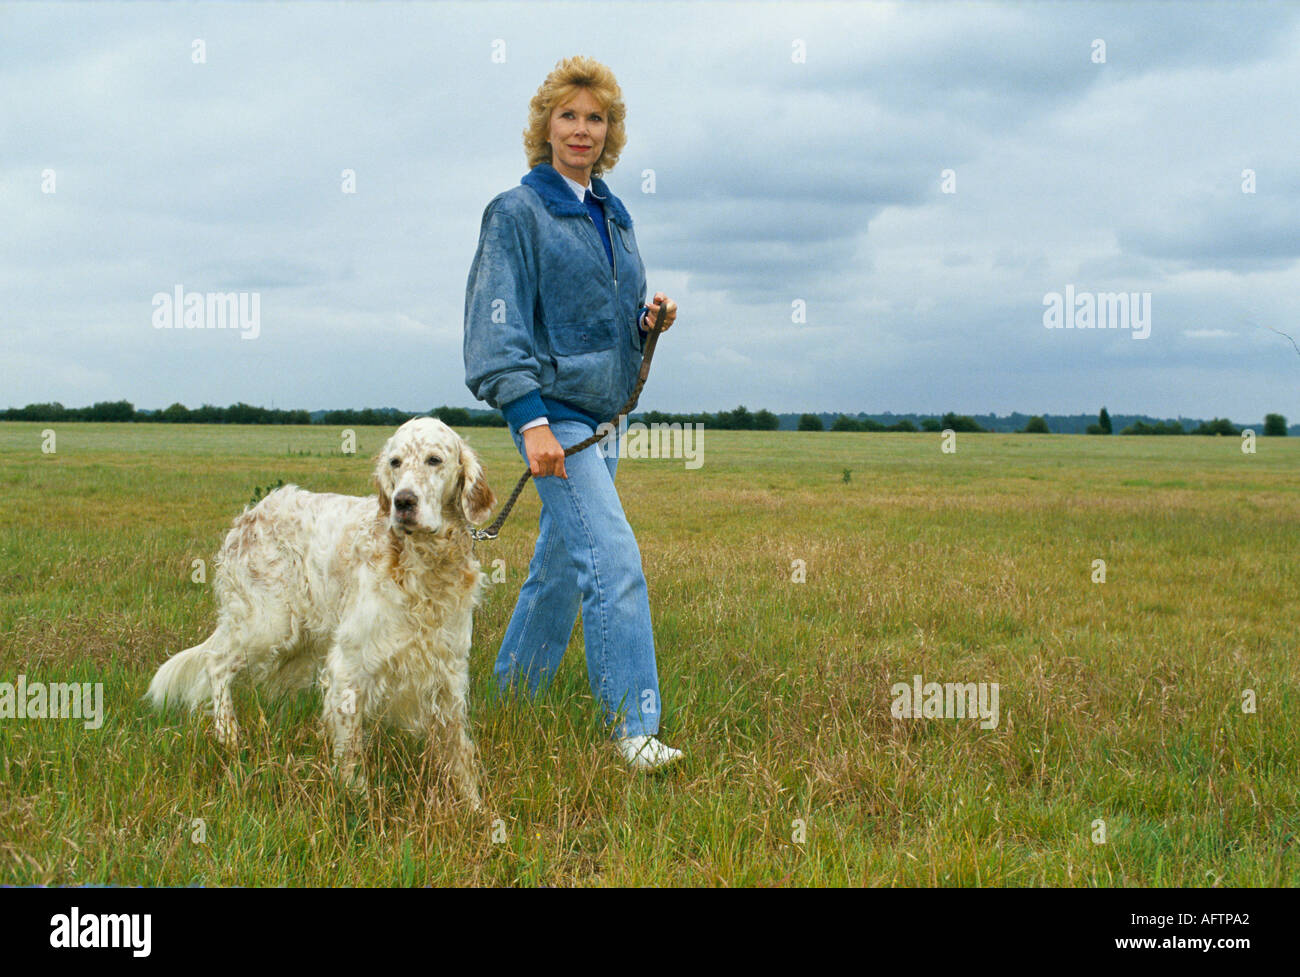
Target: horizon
x=860 y=414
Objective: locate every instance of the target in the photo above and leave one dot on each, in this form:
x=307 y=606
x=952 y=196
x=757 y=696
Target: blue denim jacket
x=544 y=311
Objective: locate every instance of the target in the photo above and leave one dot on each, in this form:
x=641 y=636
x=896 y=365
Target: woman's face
x=577 y=135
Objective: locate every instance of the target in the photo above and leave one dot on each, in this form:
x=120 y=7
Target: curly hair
x=564 y=81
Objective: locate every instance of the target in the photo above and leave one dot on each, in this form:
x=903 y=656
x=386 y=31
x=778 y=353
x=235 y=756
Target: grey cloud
x=1245 y=232
x=775 y=181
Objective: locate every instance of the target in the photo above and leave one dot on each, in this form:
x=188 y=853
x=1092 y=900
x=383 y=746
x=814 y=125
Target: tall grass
x=1121 y=702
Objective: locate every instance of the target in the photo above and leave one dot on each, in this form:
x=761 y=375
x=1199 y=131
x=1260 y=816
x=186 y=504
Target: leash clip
x=482 y=534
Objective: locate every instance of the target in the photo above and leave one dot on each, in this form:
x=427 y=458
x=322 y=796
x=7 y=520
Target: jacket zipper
x=600 y=246
x=613 y=253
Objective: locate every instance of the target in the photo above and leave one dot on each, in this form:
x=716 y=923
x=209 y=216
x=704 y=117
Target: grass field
x=1120 y=702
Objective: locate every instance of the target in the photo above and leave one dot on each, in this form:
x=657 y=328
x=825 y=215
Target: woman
x=555 y=324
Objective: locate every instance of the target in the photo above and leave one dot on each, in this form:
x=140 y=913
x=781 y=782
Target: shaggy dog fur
x=373 y=595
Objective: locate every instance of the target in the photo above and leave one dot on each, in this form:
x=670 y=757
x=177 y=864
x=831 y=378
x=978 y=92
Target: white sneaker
x=646 y=752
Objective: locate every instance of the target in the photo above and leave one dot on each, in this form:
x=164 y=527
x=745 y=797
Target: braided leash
x=492 y=530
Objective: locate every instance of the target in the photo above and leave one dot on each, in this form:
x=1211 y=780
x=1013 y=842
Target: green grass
x=1120 y=701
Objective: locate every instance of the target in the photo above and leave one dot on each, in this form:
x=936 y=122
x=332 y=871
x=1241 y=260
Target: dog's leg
x=452 y=721
x=464 y=769
x=224 y=663
x=343 y=715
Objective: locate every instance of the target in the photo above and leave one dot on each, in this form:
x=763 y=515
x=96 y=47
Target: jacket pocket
x=586 y=364
x=582 y=336
x=624 y=238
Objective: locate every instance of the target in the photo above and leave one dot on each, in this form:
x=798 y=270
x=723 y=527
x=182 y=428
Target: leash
x=492 y=530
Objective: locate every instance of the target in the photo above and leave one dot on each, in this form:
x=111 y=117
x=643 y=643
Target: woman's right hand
x=545 y=456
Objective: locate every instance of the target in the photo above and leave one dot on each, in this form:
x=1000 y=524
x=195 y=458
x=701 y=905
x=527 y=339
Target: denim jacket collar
x=560 y=200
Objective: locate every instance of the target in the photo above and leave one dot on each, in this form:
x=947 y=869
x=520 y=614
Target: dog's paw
x=353 y=778
x=226 y=732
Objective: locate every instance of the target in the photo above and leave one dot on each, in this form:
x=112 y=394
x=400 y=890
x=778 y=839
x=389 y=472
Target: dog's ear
x=476 y=498
x=385 y=503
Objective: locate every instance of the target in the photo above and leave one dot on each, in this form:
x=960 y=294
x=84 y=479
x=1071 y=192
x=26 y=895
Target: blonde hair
x=564 y=81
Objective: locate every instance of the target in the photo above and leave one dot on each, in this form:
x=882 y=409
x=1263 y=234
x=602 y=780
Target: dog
x=371 y=597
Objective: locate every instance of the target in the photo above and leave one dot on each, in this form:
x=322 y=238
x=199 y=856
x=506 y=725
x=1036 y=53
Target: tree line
x=125 y=411
x=739 y=419
x=949 y=422
x=1274 y=425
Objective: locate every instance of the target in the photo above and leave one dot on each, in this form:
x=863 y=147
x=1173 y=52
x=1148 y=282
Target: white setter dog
x=373 y=597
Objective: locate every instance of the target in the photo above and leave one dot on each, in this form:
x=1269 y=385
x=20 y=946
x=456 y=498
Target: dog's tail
x=182 y=678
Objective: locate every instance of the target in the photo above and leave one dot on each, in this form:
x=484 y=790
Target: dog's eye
x=395 y=462
x=433 y=460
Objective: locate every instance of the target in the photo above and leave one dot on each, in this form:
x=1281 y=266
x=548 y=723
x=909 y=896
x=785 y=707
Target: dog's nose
x=405 y=501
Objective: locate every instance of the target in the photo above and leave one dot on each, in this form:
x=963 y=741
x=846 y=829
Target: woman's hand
x=545 y=456
x=661 y=303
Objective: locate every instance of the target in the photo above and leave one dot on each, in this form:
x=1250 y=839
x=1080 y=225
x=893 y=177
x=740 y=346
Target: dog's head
x=427 y=475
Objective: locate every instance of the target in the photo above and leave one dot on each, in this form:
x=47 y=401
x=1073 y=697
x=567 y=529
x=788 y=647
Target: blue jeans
x=586 y=555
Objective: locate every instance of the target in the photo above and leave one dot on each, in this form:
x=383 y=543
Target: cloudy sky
x=799 y=155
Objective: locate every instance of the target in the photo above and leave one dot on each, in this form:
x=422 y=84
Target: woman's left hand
x=662 y=303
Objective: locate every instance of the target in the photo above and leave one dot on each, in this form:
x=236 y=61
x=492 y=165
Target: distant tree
x=116 y=410
x=903 y=425
x=846 y=423
x=241 y=413
x=1219 y=425
x=1103 y=422
x=44 y=412
x=810 y=422
x=452 y=416
x=1037 y=425
x=1274 y=426
x=177 y=413
x=1096 y=429
x=765 y=420
x=1160 y=427
x=739 y=419
x=931 y=424
x=959 y=422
